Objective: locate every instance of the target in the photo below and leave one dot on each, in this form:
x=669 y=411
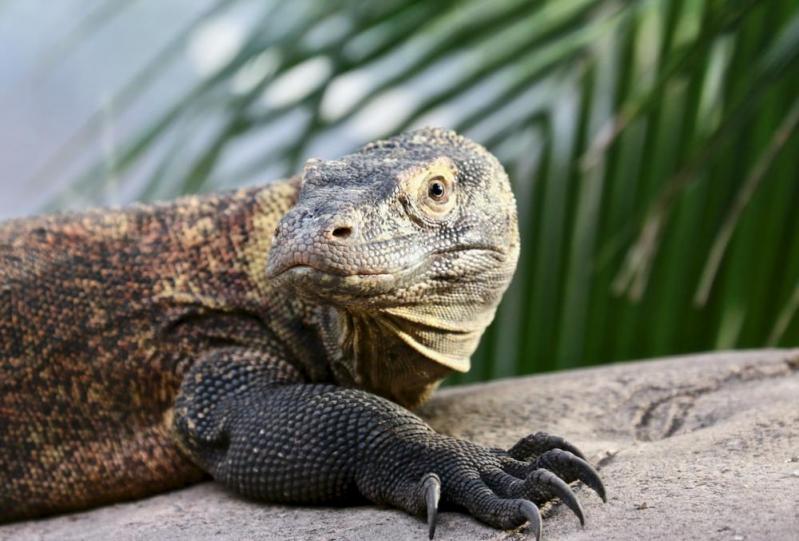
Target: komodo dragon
x=271 y=337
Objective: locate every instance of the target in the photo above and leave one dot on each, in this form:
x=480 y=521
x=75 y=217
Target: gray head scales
x=417 y=233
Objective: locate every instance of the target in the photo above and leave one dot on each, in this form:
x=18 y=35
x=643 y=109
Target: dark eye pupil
x=436 y=190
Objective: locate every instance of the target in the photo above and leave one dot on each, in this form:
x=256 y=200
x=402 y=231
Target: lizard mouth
x=308 y=273
x=329 y=278
x=304 y=268
x=311 y=281
x=334 y=261
x=309 y=266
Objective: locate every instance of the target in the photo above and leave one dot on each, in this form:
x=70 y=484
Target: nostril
x=342 y=232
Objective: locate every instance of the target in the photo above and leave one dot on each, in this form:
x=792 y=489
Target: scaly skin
x=272 y=337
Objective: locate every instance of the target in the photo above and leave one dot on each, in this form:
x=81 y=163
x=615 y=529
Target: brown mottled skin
x=271 y=337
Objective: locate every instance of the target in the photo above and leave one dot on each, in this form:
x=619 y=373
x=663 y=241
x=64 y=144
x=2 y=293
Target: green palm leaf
x=652 y=145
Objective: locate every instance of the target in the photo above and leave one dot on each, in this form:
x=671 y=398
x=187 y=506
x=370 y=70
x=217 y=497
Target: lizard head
x=417 y=233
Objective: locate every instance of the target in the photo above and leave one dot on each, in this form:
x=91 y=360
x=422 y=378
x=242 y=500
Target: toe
x=539 y=443
x=570 y=468
x=545 y=483
x=504 y=513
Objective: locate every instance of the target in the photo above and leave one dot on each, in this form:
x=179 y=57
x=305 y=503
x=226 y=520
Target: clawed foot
x=501 y=488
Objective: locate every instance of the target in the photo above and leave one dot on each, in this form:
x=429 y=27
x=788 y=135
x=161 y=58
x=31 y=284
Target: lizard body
x=272 y=337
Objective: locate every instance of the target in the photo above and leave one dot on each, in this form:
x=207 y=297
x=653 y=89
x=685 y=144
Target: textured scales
x=272 y=337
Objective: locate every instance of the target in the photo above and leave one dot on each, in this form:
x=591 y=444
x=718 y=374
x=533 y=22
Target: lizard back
x=92 y=345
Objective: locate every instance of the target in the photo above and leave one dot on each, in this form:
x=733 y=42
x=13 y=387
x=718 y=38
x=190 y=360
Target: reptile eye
x=437 y=192
x=437 y=189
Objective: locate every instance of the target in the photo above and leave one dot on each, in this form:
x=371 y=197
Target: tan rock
x=696 y=447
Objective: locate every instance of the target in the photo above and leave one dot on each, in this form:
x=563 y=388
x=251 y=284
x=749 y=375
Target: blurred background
x=652 y=144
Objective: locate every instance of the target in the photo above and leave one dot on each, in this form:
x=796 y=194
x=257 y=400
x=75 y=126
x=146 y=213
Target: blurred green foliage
x=652 y=146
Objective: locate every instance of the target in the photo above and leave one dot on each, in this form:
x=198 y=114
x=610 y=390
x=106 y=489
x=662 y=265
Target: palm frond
x=652 y=145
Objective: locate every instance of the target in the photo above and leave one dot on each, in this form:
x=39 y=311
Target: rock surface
x=696 y=447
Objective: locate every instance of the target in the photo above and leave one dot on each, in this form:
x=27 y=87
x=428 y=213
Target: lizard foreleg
x=253 y=424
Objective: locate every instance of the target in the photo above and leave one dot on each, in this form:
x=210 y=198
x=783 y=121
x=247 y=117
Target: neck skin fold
x=399 y=353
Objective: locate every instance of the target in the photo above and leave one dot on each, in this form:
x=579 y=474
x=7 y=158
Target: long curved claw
x=570 y=467
x=555 y=486
x=533 y=516
x=431 y=485
x=539 y=443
